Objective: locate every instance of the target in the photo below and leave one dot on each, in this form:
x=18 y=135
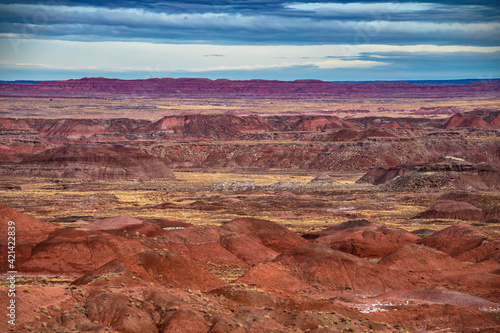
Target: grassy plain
x=156 y=108
x=190 y=200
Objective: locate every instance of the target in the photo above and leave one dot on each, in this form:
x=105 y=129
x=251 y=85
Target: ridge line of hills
x=257 y=88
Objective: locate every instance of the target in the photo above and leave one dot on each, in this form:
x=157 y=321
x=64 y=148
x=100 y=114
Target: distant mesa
x=194 y=87
x=93 y=162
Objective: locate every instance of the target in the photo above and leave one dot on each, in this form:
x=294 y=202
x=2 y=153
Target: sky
x=254 y=39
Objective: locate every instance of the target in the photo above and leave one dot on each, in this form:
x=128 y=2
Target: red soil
x=27 y=233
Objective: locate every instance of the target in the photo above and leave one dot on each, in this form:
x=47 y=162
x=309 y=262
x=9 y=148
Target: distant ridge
x=428 y=82
x=21 y=81
x=202 y=88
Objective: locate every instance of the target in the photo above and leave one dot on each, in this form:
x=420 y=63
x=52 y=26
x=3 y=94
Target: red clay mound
x=124 y=224
x=175 y=269
x=420 y=258
x=114 y=310
x=203 y=245
x=248 y=249
x=363 y=239
x=270 y=234
x=495 y=123
x=167 y=268
x=466 y=120
x=76 y=252
x=96 y=162
x=272 y=276
x=450 y=209
x=465 y=242
x=317 y=264
x=442 y=295
x=28 y=232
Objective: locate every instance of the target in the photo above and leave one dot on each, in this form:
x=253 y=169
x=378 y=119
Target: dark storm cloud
x=268 y=22
x=250 y=39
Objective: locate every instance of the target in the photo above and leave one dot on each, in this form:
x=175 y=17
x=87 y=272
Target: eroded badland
x=251 y=206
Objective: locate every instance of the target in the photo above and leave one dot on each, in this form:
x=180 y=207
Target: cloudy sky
x=285 y=40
